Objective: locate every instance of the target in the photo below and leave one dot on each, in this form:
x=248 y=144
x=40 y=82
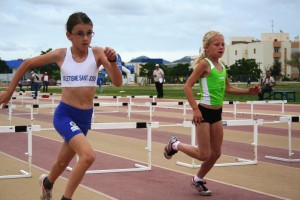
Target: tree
x=4 y=69
x=244 y=68
x=180 y=70
x=295 y=61
x=276 y=70
x=52 y=69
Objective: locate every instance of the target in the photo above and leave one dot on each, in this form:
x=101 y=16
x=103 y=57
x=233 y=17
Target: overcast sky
x=169 y=29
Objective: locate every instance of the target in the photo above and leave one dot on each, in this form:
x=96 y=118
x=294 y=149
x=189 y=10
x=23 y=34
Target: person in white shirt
x=267 y=85
x=45 y=79
x=158 y=76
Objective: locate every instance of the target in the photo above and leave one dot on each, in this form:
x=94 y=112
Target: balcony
x=276 y=54
x=276 y=44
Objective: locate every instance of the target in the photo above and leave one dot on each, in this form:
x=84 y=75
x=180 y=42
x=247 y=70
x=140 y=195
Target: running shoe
x=200 y=187
x=169 y=151
x=46 y=194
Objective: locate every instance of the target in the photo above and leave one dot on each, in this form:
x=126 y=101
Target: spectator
x=248 y=81
x=34 y=83
x=45 y=79
x=100 y=81
x=267 y=85
x=158 y=75
x=21 y=85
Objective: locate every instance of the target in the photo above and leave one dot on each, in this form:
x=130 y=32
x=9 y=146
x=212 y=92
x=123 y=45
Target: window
x=254 y=51
x=235 y=52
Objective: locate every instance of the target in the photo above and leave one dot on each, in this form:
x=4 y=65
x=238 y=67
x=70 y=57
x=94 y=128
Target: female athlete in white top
x=79 y=72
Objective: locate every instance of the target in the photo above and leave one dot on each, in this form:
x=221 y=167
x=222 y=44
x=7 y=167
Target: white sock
x=196 y=179
x=175 y=145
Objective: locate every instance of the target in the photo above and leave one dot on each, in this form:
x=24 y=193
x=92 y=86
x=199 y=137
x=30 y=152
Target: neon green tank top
x=212 y=87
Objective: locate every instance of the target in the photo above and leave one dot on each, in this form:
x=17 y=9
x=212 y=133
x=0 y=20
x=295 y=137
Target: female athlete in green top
x=212 y=87
x=207 y=116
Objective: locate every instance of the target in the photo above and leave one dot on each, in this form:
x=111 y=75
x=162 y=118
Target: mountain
x=145 y=59
x=186 y=59
x=138 y=59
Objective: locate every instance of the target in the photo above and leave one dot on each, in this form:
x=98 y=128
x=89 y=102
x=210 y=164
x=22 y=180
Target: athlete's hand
x=5 y=98
x=254 y=89
x=110 y=54
x=197 y=117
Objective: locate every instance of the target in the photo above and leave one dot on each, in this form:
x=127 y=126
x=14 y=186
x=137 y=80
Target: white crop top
x=75 y=74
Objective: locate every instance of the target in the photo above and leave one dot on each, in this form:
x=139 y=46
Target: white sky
x=169 y=29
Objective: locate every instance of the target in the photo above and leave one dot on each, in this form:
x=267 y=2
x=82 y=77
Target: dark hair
x=77 y=18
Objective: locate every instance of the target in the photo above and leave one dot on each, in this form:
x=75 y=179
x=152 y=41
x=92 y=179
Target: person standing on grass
x=158 y=76
x=45 y=79
x=207 y=115
x=72 y=119
x=34 y=83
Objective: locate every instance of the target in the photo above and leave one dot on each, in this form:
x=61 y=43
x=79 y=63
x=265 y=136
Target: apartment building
x=271 y=48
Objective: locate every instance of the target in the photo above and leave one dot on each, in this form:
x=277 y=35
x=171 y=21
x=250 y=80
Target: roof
x=14 y=63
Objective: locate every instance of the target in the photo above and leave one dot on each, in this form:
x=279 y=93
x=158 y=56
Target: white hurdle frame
x=108 y=97
x=240 y=161
x=118 y=104
x=132 y=103
x=289 y=120
x=282 y=102
x=127 y=125
x=32 y=106
x=154 y=104
x=28 y=129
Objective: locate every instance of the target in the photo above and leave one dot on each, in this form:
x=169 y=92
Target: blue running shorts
x=70 y=121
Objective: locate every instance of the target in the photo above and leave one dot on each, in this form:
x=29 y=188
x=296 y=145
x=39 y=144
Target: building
x=295 y=50
x=271 y=48
x=13 y=65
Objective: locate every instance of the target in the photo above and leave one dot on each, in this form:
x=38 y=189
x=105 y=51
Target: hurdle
x=138 y=97
x=118 y=104
x=13 y=98
x=240 y=161
x=289 y=120
x=154 y=104
x=32 y=106
x=18 y=129
x=127 y=125
x=141 y=97
x=108 y=97
x=282 y=102
x=11 y=107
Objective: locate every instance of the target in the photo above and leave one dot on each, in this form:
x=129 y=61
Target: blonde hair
x=206 y=39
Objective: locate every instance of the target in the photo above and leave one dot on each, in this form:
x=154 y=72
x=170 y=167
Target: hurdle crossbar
x=289 y=120
x=28 y=130
x=118 y=104
x=159 y=104
x=282 y=102
x=138 y=97
x=127 y=125
x=240 y=161
x=32 y=106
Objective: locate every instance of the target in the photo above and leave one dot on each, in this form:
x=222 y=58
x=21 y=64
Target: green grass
x=176 y=91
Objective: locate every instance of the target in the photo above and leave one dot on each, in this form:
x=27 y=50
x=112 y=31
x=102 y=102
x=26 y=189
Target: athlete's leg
x=63 y=159
x=203 y=139
x=216 y=139
x=86 y=156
